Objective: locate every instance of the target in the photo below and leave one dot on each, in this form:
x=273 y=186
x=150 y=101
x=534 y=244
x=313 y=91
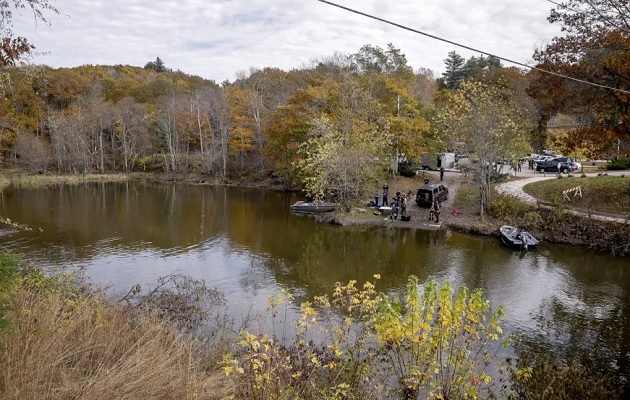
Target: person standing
x=520 y=162
x=385 y=195
x=394 y=214
x=436 y=210
x=403 y=205
x=376 y=199
x=441 y=173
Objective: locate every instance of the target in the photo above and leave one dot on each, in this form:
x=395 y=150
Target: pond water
x=569 y=301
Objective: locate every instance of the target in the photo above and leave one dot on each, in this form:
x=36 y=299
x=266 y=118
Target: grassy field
x=600 y=193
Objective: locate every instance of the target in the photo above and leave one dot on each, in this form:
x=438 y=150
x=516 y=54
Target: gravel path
x=515 y=188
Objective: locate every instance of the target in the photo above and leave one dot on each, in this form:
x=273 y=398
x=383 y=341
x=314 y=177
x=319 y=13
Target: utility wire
x=472 y=49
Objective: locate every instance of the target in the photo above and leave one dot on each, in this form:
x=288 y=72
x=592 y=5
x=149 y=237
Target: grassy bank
x=63 y=340
x=607 y=194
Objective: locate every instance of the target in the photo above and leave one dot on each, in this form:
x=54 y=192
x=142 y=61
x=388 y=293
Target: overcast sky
x=216 y=39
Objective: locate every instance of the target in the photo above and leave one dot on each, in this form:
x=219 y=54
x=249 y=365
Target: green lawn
x=599 y=193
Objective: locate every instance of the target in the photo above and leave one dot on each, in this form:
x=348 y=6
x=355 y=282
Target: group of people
x=398 y=203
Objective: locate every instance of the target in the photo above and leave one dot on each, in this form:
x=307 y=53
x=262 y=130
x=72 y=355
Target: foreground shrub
x=66 y=342
x=432 y=343
x=186 y=302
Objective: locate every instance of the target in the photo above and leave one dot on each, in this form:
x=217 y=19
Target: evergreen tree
x=454 y=74
x=477 y=67
x=157 y=65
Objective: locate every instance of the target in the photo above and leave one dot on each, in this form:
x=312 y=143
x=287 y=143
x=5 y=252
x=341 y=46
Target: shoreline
x=612 y=237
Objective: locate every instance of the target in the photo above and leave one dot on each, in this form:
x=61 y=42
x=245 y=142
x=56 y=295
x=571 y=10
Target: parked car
x=568 y=160
x=542 y=158
x=428 y=192
x=553 y=166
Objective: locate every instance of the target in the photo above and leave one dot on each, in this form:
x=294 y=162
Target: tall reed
x=66 y=343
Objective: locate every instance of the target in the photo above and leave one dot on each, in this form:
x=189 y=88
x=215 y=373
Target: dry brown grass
x=62 y=346
x=24 y=180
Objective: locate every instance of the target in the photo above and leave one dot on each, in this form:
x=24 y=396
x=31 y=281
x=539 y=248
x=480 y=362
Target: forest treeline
x=123 y=118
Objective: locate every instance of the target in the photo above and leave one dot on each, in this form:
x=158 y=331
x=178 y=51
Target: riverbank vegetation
x=554 y=221
x=22 y=179
x=63 y=338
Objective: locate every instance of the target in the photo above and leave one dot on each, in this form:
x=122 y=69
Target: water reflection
x=245 y=242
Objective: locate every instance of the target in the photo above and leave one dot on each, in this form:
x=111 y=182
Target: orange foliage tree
x=594 y=49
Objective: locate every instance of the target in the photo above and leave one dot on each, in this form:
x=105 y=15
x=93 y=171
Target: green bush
x=506 y=208
x=532 y=219
x=467 y=196
x=154 y=162
x=619 y=164
x=407 y=171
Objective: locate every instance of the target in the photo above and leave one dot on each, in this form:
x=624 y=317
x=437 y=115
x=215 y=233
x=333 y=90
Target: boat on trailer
x=515 y=238
x=304 y=207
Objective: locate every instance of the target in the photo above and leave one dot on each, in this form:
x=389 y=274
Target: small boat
x=516 y=238
x=304 y=207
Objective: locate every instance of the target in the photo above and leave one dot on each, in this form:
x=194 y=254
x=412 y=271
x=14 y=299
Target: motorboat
x=304 y=207
x=516 y=238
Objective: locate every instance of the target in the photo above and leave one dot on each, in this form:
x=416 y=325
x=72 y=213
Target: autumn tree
x=424 y=86
x=490 y=125
x=169 y=108
x=370 y=60
x=221 y=124
x=131 y=130
x=594 y=48
x=288 y=128
x=13 y=49
x=346 y=145
x=245 y=108
x=385 y=75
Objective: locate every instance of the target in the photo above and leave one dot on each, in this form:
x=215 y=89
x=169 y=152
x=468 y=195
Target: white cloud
x=217 y=38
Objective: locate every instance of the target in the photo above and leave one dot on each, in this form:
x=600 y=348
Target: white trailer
x=437 y=161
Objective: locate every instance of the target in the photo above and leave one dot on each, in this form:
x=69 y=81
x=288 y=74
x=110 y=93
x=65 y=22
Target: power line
x=471 y=48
